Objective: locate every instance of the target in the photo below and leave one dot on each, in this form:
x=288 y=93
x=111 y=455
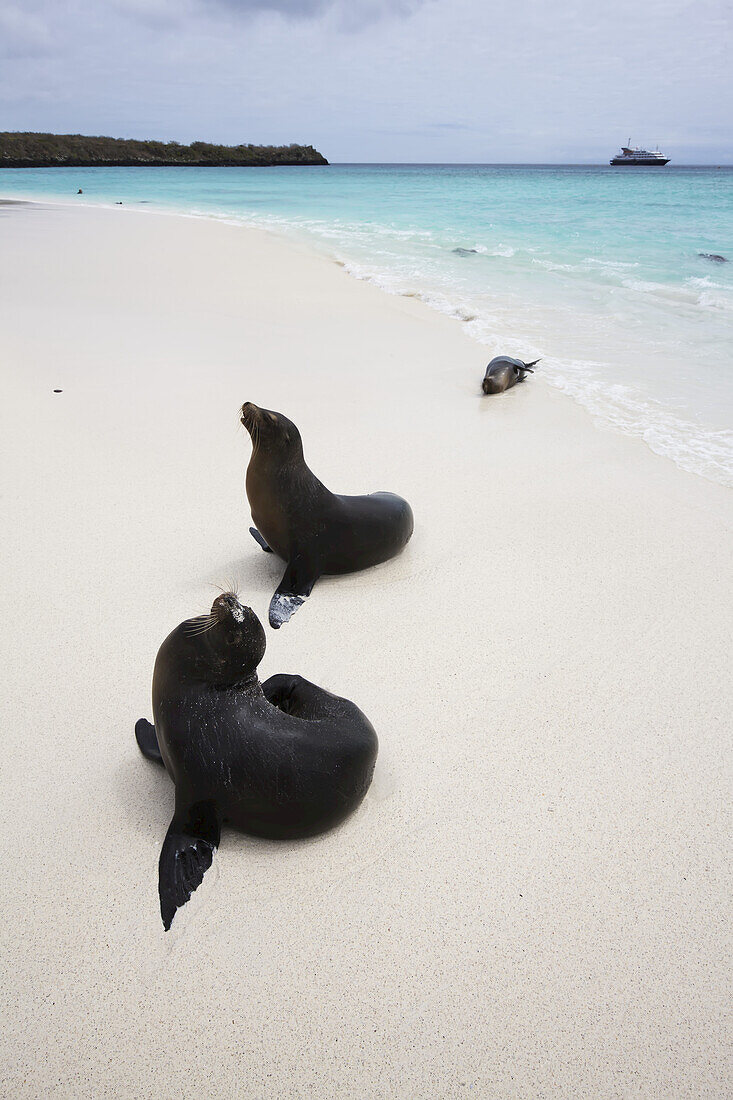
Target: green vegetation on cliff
x=75 y=151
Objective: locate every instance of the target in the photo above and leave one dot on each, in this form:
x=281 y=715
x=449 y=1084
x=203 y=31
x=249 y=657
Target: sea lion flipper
x=297 y=696
x=282 y=608
x=147 y=740
x=295 y=587
x=292 y=694
x=186 y=855
x=259 y=539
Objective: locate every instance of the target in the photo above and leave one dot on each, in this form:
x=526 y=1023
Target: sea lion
x=502 y=373
x=714 y=256
x=283 y=760
x=313 y=530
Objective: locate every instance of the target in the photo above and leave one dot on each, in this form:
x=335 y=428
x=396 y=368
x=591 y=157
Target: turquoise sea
x=598 y=270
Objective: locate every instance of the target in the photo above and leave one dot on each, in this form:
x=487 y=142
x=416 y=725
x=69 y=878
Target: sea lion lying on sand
x=502 y=373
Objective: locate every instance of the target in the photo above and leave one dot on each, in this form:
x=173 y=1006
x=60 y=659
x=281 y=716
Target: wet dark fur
x=283 y=759
x=502 y=373
x=312 y=529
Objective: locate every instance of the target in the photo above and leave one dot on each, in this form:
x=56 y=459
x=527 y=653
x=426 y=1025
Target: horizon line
x=512 y=164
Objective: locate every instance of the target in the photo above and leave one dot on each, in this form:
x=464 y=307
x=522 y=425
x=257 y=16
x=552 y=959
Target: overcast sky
x=379 y=80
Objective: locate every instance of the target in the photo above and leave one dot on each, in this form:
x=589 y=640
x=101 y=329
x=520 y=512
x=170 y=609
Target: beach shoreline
x=634 y=327
x=530 y=900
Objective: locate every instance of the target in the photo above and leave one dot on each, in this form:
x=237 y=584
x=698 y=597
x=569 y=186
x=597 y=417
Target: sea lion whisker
x=204 y=630
x=203 y=622
x=230 y=590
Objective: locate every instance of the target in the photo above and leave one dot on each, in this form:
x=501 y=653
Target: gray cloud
x=22 y=33
x=412 y=80
x=303 y=8
x=364 y=9
x=349 y=15
x=448 y=126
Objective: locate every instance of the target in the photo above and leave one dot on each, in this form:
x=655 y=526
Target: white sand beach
x=533 y=899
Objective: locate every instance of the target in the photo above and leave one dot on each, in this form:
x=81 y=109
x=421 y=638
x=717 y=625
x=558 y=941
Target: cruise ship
x=629 y=155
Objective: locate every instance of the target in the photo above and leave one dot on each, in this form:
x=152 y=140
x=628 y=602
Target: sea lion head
x=271 y=432
x=499 y=380
x=226 y=646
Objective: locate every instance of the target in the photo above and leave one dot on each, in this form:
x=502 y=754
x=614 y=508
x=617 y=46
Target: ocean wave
x=612 y=265
x=716 y=302
x=551 y=265
x=712 y=295
x=692 y=446
x=504 y=251
x=665 y=291
x=704 y=281
x=418 y=272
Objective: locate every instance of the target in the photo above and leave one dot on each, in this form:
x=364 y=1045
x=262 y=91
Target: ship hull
x=627 y=162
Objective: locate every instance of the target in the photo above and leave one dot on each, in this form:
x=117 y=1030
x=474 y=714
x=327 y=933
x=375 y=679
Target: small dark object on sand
x=58 y=391
x=502 y=373
x=714 y=257
x=465 y=251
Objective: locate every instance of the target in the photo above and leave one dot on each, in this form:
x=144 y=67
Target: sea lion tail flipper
x=292 y=591
x=528 y=366
x=259 y=539
x=186 y=855
x=297 y=696
x=147 y=740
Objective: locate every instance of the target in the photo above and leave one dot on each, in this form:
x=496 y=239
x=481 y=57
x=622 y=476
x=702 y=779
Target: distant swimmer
x=80 y=192
x=502 y=373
